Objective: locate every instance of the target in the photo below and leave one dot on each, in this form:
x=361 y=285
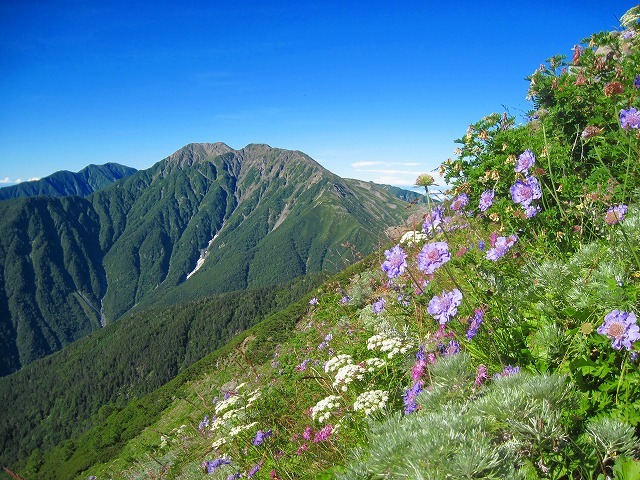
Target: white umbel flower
x=371 y=401
x=323 y=409
x=347 y=374
x=336 y=362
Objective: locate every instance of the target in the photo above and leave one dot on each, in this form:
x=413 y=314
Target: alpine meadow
x=246 y=313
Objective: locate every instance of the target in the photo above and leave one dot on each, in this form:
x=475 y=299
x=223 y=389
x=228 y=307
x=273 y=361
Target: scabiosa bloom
x=525 y=191
x=396 y=262
x=432 y=220
x=525 y=161
x=444 y=307
x=500 y=247
x=409 y=398
x=622 y=328
x=261 y=436
x=532 y=210
x=475 y=323
x=615 y=214
x=486 y=200
x=432 y=256
x=460 y=202
x=629 y=118
x=379 y=305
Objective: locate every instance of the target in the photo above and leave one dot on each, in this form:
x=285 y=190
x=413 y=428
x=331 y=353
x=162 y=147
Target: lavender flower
x=525 y=162
x=481 y=245
x=444 y=307
x=531 y=210
x=346 y=299
x=432 y=256
x=303 y=366
x=234 y=476
x=396 y=262
x=379 y=305
x=475 y=323
x=486 y=200
x=460 y=202
x=211 y=465
x=313 y=301
x=636 y=82
x=409 y=398
x=204 y=423
x=508 y=370
x=629 y=118
x=622 y=327
x=500 y=247
x=254 y=469
x=261 y=436
x=615 y=214
x=452 y=349
x=525 y=191
x=432 y=220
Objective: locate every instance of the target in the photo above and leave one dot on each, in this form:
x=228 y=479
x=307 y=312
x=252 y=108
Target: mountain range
x=207 y=219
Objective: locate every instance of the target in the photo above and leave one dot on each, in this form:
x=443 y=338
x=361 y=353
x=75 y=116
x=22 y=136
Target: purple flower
x=475 y=323
x=308 y=432
x=443 y=307
x=636 y=82
x=486 y=200
x=629 y=118
x=261 y=436
x=432 y=220
x=396 y=262
x=234 y=476
x=409 y=398
x=344 y=300
x=211 y=465
x=500 y=247
x=508 y=370
x=481 y=245
x=313 y=301
x=323 y=434
x=481 y=375
x=531 y=210
x=379 y=305
x=622 y=327
x=525 y=191
x=254 y=470
x=418 y=370
x=452 y=349
x=420 y=355
x=432 y=256
x=525 y=161
x=303 y=366
x=615 y=214
x=204 y=423
x=460 y=202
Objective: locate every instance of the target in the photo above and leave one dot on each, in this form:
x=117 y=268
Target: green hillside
x=63 y=183
x=260 y=216
x=500 y=341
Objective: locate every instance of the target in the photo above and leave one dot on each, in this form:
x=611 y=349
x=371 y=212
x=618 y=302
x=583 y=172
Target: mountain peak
x=197 y=152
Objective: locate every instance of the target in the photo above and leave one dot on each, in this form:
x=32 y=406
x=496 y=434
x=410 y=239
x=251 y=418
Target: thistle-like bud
x=425 y=180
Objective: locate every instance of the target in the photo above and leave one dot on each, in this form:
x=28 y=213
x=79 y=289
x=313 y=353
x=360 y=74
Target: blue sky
x=371 y=90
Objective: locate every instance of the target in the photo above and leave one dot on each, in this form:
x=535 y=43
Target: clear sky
x=375 y=90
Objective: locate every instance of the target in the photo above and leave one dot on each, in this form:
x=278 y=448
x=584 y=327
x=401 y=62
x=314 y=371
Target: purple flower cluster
x=261 y=437
x=486 y=200
x=409 y=398
x=630 y=118
x=615 y=214
x=396 y=262
x=323 y=434
x=526 y=191
x=508 y=371
x=525 y=162
x=313 y=301
x=452 y=349
x=500 y=246
x=432 y=220
x=460 y=202
x=379 y=305
x=432 y=256
x=482 y=374
x=211 y=465
x=444 y=307
x=475 y=323
x=622 y=327
x=204 y=423
x=251 y=473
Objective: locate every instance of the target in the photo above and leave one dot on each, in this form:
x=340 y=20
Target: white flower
x=223 y=405
x=336 y=362
x=322 y=410
x=393 y=345
x=348 y=374
x=413 y=237
x=219 y=442
x=241 y=428
x=374 y=364
x=371 y=401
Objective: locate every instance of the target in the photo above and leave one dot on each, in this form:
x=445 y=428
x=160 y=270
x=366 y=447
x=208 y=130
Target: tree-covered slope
x=62 y=183
x=206 y=219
